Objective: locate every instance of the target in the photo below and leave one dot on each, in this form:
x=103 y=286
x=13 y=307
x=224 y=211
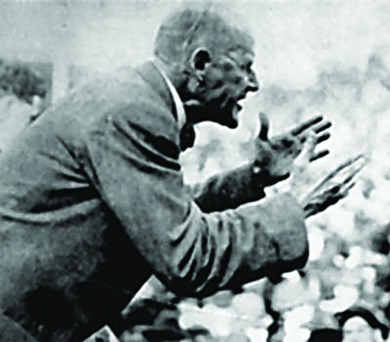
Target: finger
x=351 y=177
x=346 y=191
x=336 y=189
x=319 y=155
x=323 y=137
x=304 y=126
x=308 y=148
x=350 y=186
x=264 y=126
x=320 y=138
x=322 y=127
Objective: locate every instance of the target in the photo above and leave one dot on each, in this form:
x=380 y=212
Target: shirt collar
x=181 y=115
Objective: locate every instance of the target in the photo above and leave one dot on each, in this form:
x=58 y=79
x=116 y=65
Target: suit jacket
x=92 y=202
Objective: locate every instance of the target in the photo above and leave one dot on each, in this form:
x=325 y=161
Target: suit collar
x=179 y=106
x=150 y=73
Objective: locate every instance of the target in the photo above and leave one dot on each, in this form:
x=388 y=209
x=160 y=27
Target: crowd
x=347 y=277
x=22 y=94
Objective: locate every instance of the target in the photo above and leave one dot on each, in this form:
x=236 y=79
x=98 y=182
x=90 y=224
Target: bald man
x=92 y=200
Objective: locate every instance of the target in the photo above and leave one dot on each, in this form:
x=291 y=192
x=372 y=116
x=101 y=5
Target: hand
x=316 y=125
x=297 y=184
x=333 y=187
x=275 y=156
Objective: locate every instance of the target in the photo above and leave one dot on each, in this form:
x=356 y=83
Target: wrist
x=265 y=177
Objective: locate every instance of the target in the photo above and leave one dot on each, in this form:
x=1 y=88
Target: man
x=92 y=200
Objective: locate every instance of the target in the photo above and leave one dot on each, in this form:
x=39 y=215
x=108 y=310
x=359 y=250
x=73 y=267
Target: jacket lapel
x=153 y=76
x=150 y=73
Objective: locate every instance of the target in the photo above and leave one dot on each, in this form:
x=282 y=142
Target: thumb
x=264 y=126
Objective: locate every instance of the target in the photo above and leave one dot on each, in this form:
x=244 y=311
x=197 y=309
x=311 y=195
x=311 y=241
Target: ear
x=200 y=58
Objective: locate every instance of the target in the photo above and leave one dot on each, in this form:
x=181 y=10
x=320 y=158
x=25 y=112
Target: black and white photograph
x=194 y=171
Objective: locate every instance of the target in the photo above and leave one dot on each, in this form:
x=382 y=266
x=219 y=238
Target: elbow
x=190 y=275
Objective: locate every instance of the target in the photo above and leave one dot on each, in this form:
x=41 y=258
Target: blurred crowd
x=343 y=294
x=22 y=94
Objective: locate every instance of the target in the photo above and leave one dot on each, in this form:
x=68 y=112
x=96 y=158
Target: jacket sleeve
x=228 y=190
x=191 y=252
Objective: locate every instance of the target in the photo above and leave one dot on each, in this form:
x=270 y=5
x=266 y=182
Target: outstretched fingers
x=307 y=152
x=323 y=137
x=322 y=126
x=319 y=155
x=348 y=188
x=307 y=124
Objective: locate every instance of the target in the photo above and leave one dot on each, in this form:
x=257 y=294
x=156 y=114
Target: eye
x=248 y=67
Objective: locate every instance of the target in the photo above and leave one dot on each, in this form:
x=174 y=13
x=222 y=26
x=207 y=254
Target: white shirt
x=181 y=115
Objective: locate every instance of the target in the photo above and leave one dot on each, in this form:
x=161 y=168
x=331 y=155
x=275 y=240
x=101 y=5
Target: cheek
x=225 y=75
x=235 y=82
x=232 y=75
x=215 y=79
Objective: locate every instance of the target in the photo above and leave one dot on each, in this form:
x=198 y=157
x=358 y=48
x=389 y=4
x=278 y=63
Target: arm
x=191 y=252
x=228 y=190
x=272 y=163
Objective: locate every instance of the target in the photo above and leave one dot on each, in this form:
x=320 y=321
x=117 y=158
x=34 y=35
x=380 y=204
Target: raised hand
x=316 y=124
x=319 y=127
x=274 y=156
x=297 y=183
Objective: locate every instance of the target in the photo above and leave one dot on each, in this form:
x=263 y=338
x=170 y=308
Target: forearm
x=229 y=190
x=210 y=252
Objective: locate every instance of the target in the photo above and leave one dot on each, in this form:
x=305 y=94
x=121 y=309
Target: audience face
x=356 y=329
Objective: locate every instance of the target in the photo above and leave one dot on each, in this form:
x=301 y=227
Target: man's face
x=228 y=79
x=356 y=329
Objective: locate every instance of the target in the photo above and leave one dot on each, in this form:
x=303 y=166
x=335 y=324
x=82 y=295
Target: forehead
x=243 y=43
x=355 y=323
x=235 y=41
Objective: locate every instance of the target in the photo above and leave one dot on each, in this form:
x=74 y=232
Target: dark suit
x=92 y=201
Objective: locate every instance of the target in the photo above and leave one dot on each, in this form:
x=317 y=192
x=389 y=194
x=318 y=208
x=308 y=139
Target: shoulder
x=124 y=97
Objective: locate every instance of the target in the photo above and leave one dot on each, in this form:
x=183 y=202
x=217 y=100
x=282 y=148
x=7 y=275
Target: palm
x=275 y=156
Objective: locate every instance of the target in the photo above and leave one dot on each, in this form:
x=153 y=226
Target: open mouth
x=236 y=109
x=233 y=122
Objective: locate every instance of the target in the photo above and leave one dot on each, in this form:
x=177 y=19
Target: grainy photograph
x=194 y=171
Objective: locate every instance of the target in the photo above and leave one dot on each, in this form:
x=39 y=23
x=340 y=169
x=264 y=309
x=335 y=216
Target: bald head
x=190 y=28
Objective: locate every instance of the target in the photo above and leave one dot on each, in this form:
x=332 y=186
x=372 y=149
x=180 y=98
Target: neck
x=195 y=112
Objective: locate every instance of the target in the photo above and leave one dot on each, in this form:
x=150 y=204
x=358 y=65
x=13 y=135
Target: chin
x=231 y=123
x=226 y=120
x=229 y=117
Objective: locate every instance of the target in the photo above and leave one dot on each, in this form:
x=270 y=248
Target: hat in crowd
x=367 y=315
